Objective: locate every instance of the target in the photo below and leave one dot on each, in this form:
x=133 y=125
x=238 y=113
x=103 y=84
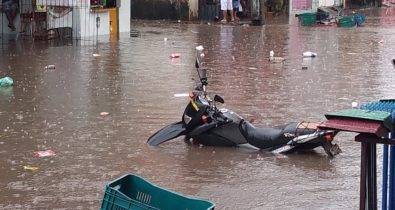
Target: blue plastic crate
x=133 y=192
x=386 y=105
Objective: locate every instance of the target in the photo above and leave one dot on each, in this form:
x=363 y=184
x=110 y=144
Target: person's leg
x=235 y=4
x=11 y=14
x=232 y=16
x=225 y=16
x=230 y=9
x=224 y=10
x=10 y=19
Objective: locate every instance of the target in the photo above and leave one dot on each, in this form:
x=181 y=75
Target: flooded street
x=134 y=81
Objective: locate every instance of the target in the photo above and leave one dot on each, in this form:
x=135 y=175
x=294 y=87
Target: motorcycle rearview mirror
x=219 y=99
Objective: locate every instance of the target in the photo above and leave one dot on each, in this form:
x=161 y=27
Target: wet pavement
x=134 y=81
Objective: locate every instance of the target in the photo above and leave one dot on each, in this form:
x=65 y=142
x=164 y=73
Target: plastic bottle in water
x=50 y=67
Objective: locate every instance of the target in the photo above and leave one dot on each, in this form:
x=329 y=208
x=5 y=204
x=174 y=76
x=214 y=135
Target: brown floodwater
x=134 y=80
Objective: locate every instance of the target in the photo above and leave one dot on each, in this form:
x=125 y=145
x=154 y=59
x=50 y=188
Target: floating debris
x=50 y=67
x=30 y=168
x=96 y=55
x=354 y=104
x=273 y=59
x=309 y=54
x=381 y=42
x=104 y=113
x=181 y=95
x=45 y=153
x=134 y=33
x=6 y=82
x=175 y=55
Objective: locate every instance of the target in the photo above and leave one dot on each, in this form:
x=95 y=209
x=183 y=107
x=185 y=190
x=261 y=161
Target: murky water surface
x=134 y=80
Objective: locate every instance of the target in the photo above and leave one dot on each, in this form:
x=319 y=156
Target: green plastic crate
x=307 y=19
x=133 y=192
x=347 y=21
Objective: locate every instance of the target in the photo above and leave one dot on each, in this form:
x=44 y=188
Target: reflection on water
x=134 y=80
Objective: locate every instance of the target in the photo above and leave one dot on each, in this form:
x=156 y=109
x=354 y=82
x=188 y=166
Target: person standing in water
x=10 y=8
x=235 y=4
x=226 y=6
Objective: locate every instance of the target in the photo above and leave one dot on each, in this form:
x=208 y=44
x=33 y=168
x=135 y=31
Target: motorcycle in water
x=205 y=124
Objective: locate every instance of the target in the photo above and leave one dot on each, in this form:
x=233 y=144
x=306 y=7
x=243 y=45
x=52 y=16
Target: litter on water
x=354 y=104
x=30 y=168
x=45 y=153
x=6 y=81
x=96 y=55
x=181 y=95
x=175 y=55
x=50 y=66
x=309 y=54
x=104 y=113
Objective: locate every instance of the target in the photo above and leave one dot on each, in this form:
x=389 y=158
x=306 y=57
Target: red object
x=356 y=125
x=205 y=118
x=328 y=137
x=324 y=25
x=45 y=153
x=175 y=55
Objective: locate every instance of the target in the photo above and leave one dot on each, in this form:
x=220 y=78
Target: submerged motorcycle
x=203 y=123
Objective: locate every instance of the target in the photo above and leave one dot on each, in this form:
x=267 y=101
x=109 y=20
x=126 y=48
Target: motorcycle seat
x=265 y=138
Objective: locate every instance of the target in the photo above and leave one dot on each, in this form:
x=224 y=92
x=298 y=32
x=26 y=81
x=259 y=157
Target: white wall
x=324 y=3
x=86 y=26
x=124 y=16
x=85 y=23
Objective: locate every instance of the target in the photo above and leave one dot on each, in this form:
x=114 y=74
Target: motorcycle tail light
x=205 y=118
x=329 y=137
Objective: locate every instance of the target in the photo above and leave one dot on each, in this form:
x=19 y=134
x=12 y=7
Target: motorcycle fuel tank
x=224 y=135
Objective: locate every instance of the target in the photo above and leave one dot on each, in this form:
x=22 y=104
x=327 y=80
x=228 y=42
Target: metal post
x=362 y=185
x=385 y=178
x=373 y=177
x=368 y=182
x=391 y=178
